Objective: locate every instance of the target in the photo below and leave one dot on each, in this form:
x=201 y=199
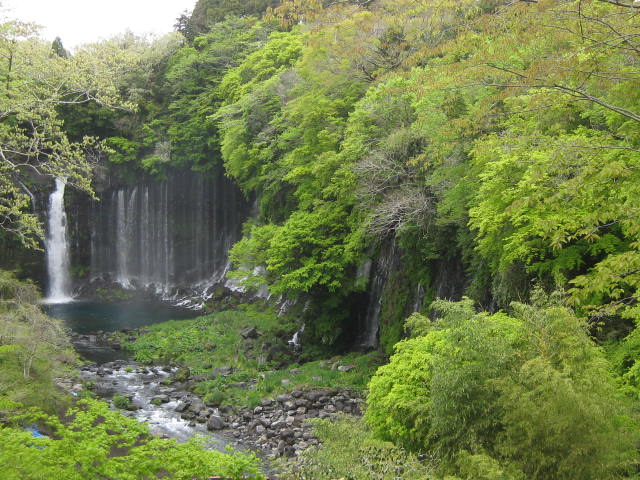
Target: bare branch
x=622 y=4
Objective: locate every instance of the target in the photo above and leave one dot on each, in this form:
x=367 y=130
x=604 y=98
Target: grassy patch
x=229 y=368
x=121 y=402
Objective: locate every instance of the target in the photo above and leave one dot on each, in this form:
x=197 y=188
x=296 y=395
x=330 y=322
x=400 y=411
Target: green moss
x=396 y=303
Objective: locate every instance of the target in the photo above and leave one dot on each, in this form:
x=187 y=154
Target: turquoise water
x=86 y=317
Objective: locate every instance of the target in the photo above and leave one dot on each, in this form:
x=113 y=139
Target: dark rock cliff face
x=24 y=262
x=393 y=293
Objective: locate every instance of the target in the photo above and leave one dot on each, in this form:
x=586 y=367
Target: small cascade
x=369 y=333
x=57 y=248
x=157 y=400
x=378 y=272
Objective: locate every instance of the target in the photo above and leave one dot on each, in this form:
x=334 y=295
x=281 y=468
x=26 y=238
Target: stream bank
x=212 y=378
x=273 y=429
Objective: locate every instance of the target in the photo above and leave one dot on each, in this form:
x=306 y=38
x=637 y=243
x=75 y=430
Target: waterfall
x=378 y=271
x=57 y=249
x=167 y=236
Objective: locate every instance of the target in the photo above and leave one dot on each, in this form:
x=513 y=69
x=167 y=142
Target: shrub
x=530 y=392
x=121 y=402
x=349 y=451
x=95 y=442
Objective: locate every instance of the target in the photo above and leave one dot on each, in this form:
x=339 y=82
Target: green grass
x=121 y=402
x=207 y=343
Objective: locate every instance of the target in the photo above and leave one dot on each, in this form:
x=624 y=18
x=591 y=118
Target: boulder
x=215 y=423
x=249 y=332
x=346 y=368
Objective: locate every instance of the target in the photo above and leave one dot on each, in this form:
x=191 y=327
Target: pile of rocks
x=277 y=426
x=97 y=338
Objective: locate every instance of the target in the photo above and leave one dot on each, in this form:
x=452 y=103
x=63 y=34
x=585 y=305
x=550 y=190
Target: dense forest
x=470 y=168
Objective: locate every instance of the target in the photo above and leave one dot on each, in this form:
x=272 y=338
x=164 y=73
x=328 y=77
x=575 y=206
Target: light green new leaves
x=96 y=442
x=559 y=203
x=531 y=391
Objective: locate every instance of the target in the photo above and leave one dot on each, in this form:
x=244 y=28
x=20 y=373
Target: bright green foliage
x=481 y=466
x=398 y=402
x=531 y=391
x=554 y=209
x=310 y=251
x=277 y=55
x=349 y=451
x=210 y=342
x=121 y=402
x=35 y=81
x=123 y=150
x=307 y=237
x=194 y=341
x=96 y=442
x=253 y=92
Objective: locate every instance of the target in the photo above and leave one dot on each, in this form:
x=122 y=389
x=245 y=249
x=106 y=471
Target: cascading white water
x=167 y=236
x=57 y=249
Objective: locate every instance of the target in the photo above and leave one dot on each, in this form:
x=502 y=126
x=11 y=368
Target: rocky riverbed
x=275 y=428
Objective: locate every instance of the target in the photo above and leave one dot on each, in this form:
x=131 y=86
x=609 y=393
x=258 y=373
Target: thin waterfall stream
x=57 y=248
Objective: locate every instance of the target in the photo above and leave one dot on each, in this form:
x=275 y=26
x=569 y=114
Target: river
x=112 y=372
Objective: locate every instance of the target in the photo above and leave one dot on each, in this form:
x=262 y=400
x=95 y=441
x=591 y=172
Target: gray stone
x=265 y=422
x=197 y=406
x=313 y=395
x=222 y=371
x=187 y=415
x=249 y=332
x=215 y=423
x=346 y=368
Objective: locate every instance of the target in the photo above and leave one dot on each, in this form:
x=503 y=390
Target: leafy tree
x=191 y=83
x=32 y=136
x=531 y=391
x=34 y=349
